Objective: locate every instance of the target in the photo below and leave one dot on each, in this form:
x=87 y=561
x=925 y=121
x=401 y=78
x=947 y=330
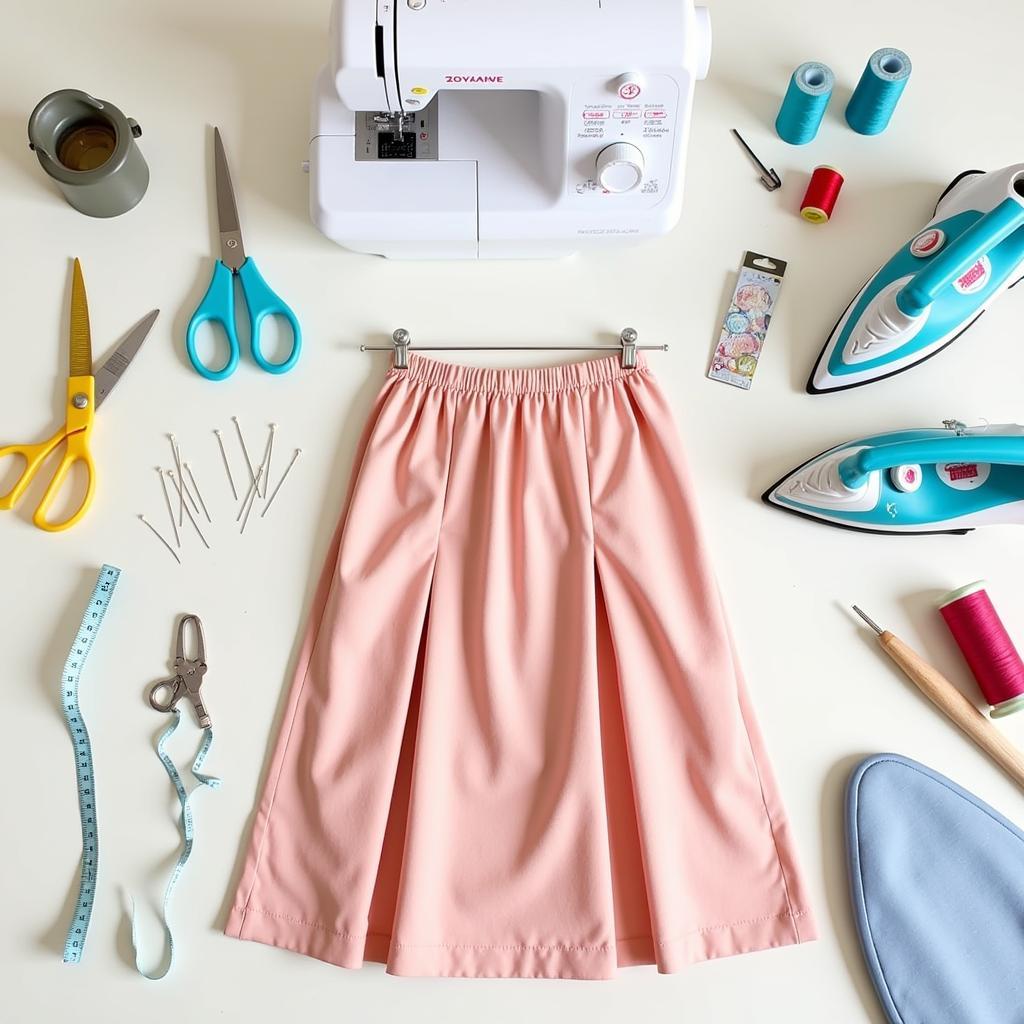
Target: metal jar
x=87 y=146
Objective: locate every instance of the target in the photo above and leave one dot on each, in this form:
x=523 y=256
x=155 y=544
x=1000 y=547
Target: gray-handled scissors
x=218 y=305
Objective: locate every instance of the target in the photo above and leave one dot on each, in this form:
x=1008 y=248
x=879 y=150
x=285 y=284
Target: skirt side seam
x=793 y=915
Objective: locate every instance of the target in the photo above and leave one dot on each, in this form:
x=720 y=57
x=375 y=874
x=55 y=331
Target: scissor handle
x=261 y=302
x=75 y=433
x=217 y=306
x=77 y=451
x=34 y=456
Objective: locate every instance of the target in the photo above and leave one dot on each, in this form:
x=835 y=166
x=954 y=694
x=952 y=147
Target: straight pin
x=227 y=465
x=266 y=508
x=195 y=487
x=188 y=511
x=177 y=463
x=254 y=486
x=167 y=501
x=156 y=533
x=188 y=494
x=252 y=500
x=268 y=454
x=245 y=451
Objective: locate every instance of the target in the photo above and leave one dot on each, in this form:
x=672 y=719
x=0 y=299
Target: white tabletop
x=824 y=694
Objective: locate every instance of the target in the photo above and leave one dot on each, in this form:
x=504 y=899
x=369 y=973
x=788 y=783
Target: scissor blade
x=110 y=372
x=232 y=252
x=80 y=348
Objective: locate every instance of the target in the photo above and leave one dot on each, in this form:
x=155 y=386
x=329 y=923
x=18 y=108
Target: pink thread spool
x=990 y=653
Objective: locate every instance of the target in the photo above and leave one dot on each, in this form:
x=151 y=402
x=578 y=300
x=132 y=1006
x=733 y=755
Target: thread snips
x=187 y=680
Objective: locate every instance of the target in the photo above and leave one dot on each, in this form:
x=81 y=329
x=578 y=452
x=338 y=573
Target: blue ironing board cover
x=937 y=878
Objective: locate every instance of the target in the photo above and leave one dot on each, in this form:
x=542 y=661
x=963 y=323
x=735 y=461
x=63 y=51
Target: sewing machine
x=489 y=129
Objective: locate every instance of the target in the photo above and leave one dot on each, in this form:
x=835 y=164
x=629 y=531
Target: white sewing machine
x=503 y=128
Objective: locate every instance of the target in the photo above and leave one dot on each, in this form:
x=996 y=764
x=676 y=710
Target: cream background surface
x=824 y=694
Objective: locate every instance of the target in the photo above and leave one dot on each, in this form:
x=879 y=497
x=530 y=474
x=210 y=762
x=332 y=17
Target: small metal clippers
x=187 y=680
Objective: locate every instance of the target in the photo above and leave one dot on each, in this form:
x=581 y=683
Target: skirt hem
x=571 y=961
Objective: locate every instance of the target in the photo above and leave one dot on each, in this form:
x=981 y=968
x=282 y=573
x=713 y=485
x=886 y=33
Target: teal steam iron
x=947 y=480
x=935 y=287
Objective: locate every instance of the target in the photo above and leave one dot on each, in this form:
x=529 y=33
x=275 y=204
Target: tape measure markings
x=92 y=620
x=186 y=824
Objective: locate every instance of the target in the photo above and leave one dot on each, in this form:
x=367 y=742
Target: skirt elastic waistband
x=519 y=381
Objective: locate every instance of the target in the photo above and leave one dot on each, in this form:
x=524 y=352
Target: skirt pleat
x=518 y=742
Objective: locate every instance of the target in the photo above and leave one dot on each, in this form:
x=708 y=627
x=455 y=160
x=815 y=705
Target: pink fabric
x=518 y=742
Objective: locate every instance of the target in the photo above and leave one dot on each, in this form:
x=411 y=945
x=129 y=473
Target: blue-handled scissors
x=218 y=305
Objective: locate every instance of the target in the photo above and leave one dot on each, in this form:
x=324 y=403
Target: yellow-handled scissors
x=85 y=394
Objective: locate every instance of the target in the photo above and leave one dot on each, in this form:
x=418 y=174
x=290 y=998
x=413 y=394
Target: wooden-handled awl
x=949 y=700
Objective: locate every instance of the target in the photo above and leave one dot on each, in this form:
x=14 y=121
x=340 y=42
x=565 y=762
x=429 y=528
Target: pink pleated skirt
x=518 y=742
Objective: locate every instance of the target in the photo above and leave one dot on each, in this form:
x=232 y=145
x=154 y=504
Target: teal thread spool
x=805 y=101
x=878 y=91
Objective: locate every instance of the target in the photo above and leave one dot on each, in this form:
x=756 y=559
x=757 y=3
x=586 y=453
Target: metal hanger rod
x=401 y=344
x=515 y=348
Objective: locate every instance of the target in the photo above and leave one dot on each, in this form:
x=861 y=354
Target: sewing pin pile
x=185 y=501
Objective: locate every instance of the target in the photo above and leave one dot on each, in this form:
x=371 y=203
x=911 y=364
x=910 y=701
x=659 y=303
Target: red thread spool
x=822 y=192
x=990 y=653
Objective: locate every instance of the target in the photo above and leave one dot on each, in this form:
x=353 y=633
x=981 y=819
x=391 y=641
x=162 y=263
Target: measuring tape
x=87 y=632
x=187 y=826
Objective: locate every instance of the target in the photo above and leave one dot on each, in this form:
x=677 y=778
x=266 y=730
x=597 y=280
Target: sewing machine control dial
x=620 y=167
x=629 y=86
